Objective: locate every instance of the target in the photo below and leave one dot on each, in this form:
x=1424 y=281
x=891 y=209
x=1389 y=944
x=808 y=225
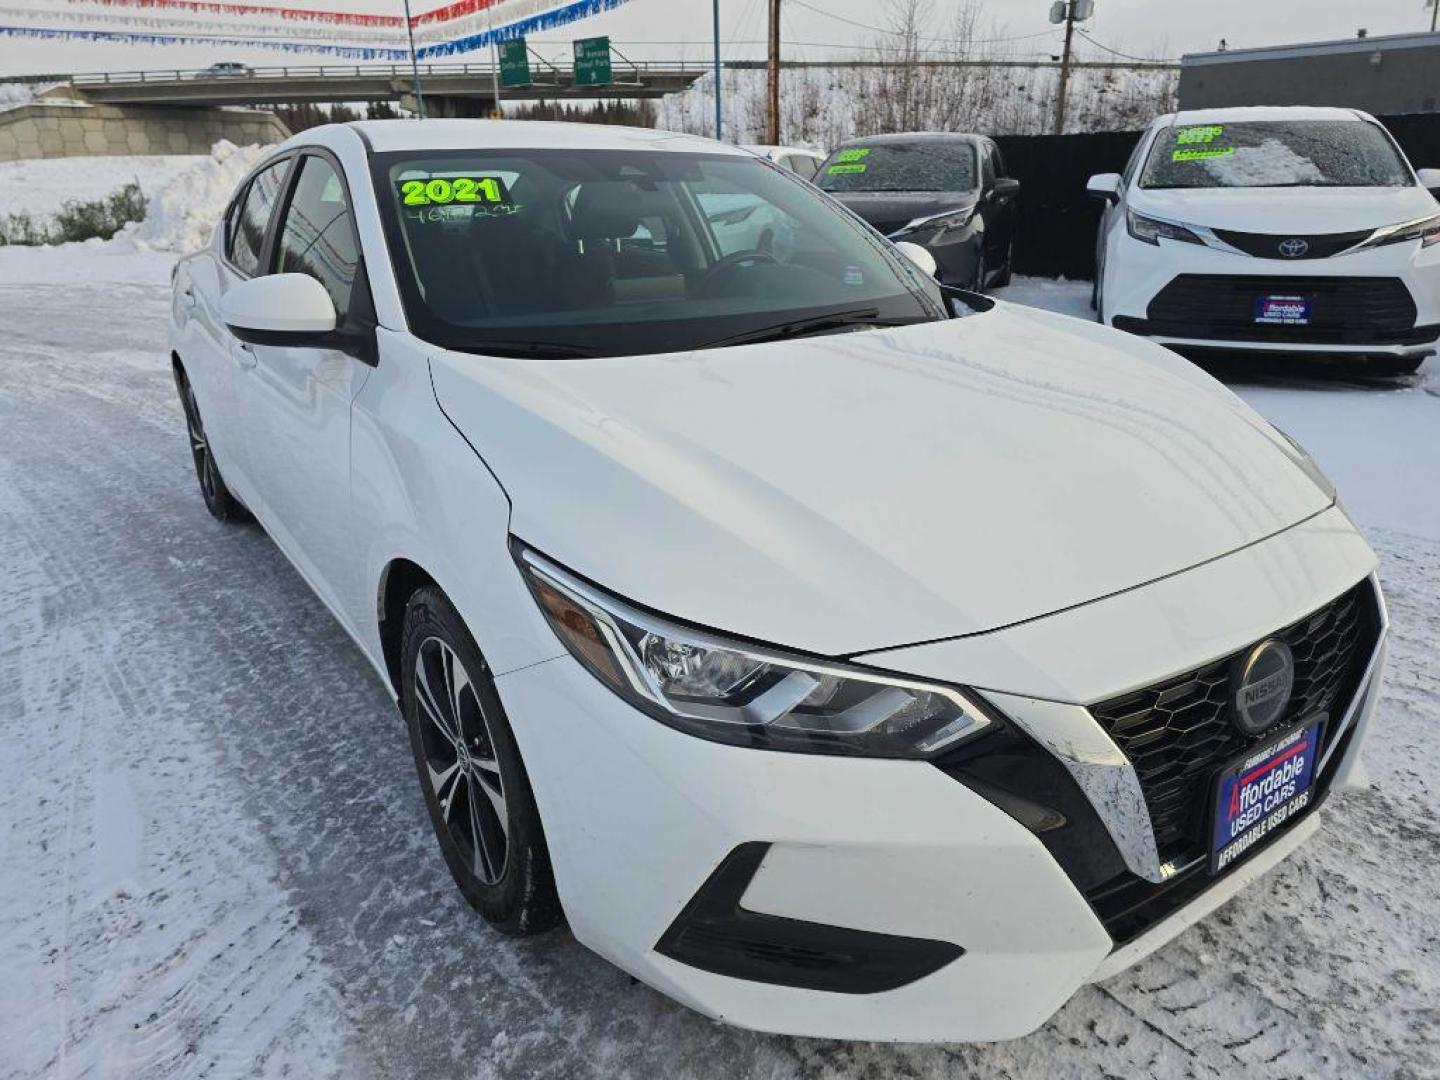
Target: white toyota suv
x=1277 y=230
x=842 y=655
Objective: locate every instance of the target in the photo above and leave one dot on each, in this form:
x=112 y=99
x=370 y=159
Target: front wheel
x=1006 y=271
x=471 y=775
x=222 y=505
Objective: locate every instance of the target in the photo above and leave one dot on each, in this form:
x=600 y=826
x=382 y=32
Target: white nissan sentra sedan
x=839 y=655
x=1299 y=231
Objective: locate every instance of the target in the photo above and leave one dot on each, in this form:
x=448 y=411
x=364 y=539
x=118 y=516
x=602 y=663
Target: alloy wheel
x=460 y=760
x=199 y=445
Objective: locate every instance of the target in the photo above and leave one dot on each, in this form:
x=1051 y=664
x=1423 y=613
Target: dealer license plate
x=1259 y=793
x=1282 y=310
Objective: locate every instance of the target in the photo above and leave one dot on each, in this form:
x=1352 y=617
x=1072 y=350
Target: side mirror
x=1006 y=186
x=1429 y=178
x=281 y=309
x=1106 y=186
x=919 y=256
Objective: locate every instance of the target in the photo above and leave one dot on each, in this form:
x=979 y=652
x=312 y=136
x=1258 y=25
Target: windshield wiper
x=528 y=350
x=817 y=324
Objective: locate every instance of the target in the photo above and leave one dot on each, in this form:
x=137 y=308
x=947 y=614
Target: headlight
x=1426 y=230
x=1152 y=230
x=732 y=692
x=936 y=222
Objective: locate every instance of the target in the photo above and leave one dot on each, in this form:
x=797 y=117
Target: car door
x=1112 y=215
x=1007 y=211
x=212 y=356
x=297 y=400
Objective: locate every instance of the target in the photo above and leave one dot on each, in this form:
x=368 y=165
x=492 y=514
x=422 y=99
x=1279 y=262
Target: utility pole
x=414 y=64
x=1065 y=68
x=719 y=125
x=495 y=113
x=772 y=72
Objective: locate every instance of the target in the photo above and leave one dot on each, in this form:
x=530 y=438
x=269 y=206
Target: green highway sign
x=592 y=61
x=514 y=63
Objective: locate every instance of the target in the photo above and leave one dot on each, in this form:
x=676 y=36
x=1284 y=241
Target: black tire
x=1006 y=271
x=475 y=788
x=223 y=505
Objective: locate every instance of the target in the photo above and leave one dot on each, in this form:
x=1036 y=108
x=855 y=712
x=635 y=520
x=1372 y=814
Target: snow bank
x=182 y=215
x=13 y=95
x=38 y=187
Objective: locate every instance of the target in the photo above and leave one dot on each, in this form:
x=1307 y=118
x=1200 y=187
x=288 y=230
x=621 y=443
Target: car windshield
x=612 y=253
x=926 y=166
x=1275 y=153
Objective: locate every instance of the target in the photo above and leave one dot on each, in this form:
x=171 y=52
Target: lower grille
x=1128 y=906
x=1177 y=734
x=1344 y=311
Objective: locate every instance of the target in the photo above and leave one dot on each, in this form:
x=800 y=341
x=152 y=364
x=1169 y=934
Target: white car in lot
x=1300 y=231
x=841 y=655
x=803 y=163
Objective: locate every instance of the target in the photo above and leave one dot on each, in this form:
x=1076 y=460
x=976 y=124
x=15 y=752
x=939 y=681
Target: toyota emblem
x=1294 y=248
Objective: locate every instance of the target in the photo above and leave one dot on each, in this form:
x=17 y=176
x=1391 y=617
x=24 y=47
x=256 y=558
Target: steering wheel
x=727 y=263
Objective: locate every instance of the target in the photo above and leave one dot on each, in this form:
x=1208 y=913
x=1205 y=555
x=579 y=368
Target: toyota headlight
x=733 y=692
x=950 y=219
x=1152 y=230
x=1426 y=230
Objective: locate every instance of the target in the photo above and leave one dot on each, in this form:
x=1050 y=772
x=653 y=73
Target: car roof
x=447 y=134
x=1240 y=115
x=764 y=150
x=916 y=137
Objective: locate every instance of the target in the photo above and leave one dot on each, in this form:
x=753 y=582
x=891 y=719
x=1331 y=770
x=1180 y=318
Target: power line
x=1116 y=52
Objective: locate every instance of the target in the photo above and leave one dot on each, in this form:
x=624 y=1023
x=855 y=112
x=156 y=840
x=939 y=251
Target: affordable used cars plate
x=1260 y=792
x=1283 y=310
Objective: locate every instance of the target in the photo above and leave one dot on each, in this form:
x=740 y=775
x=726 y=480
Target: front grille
x=1177 y=733
x=1344 y=311
x=1267 y=245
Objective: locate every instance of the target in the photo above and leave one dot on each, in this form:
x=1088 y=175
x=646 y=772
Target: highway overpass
x=456 y=83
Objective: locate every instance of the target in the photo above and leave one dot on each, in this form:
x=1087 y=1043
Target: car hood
x=892 y=210
x=851 y=492
x=1295 y=210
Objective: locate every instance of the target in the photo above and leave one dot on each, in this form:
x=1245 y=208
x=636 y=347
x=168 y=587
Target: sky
x=817 y=29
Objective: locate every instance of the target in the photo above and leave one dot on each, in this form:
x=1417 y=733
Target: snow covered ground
x=214 y=860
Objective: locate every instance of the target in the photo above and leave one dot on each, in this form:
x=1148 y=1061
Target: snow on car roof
x=1253 y=113
x=446 y=134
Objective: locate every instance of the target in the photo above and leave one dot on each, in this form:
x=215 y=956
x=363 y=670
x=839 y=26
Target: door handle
x=188 y=295
x=245 y=355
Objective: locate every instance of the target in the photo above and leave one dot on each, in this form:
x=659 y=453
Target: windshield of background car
x=1275 y=153
x=614 y=253
x=925 y=166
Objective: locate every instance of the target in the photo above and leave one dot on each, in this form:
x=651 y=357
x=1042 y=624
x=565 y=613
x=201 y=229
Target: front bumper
x=639 y=816
x=1136 y=274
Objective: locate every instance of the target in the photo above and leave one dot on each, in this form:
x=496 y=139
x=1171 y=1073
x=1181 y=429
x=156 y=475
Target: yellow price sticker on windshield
x=1199 y=133
x=444 y=190
x=1202 y=153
